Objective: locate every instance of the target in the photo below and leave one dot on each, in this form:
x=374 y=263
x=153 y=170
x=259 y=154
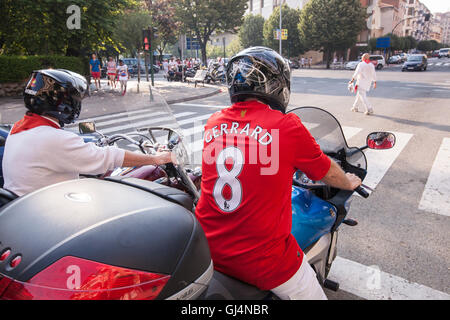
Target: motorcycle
x=122 y=236
x=215 y=73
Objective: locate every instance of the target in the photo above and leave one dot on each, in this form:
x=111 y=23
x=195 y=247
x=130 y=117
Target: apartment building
x=444 y=23
x=416 y=24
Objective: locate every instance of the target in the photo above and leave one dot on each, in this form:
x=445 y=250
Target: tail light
x=72 y=278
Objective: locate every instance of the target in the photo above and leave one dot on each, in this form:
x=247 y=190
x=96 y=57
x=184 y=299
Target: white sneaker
x=354 y=109
x=370 y=111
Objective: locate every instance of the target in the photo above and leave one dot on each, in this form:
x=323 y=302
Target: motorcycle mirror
x=381 y=140
x=86 y=127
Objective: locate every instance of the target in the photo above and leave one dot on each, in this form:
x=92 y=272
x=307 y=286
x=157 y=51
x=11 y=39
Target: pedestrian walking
x=310 y=62
x=303 y=62
x=364 y=75
x=122 y=71
x=94 y=67
x=112 y=71
x=166 y=67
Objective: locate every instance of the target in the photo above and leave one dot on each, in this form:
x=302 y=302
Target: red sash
x=30 y=121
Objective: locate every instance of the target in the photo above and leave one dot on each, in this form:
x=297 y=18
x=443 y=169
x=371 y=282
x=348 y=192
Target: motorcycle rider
x=38 y=153
x=245 y=206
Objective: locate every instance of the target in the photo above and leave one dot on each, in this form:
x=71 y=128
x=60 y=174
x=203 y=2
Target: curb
x=194 y=97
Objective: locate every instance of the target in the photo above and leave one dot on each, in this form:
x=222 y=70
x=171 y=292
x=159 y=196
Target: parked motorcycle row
x=78 y=233
x=215 y=73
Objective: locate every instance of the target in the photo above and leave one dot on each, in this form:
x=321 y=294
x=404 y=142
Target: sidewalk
x=107 y=100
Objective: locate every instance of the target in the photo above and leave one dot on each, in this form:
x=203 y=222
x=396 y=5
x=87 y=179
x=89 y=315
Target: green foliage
x=230 y=50
x=202 y=18
x=128 y=30
x=331 y=25
x=251 y=31
x=19 y=68
x=290 y=20
x=40 y=27
x=425 y=46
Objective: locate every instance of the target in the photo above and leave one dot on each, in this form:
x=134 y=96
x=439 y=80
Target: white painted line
x=436 y=196
x=370 y=283
x=136 y=124
x=200 y=105
x=379 y=161
x=116 y=115
x=350 y=132
x=438 y=64
x=447 y=64
x=128 y=118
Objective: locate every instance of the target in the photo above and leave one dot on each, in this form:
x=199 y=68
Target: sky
x=437 y=5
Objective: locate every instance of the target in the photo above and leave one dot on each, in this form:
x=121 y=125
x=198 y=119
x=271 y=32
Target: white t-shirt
x=44 y=155
x=364 y=74
x=123 y=72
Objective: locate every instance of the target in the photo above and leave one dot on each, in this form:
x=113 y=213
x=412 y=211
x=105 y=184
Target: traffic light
x=155 y=34
x=427 y=17
x=146 y=39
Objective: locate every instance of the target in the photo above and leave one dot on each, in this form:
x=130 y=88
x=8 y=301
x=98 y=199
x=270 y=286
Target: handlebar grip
x=362 y=192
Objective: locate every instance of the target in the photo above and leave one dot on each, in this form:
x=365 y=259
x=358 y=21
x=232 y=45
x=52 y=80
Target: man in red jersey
x=251 y=151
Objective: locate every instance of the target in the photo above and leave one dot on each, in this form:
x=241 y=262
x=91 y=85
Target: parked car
x=351 y=65
x=395 y=60
x=378 y=61
x=403 y=56
x=416 y=62
x=133 y=66
x=444 y=53
x=435 y=54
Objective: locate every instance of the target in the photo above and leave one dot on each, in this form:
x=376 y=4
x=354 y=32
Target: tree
x=293 y=46
x=40 y=27
x=330 y=25
x=163 y=17
x=251 y=32
x=424 y=46
x=205 y=17
x=129 y=31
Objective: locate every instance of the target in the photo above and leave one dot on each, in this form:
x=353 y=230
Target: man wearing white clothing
x=39 y=153
x=364 y=74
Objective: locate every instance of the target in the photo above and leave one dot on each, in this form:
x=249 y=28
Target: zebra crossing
x=436 y=194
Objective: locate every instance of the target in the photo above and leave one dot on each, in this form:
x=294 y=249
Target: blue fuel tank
x=312 y=217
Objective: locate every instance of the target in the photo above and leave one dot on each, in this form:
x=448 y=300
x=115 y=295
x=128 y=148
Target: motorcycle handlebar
x=362 y=192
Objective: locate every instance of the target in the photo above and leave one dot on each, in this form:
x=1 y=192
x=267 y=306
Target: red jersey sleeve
x=307 y=155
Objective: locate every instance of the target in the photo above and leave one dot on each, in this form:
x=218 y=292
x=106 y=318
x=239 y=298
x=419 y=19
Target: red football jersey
x=250 y=155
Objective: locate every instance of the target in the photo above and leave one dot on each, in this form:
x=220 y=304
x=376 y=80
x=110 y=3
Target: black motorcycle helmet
x=56 y=93
x=261 y=73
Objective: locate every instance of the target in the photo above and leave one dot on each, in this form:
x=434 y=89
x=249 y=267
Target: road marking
x=436 y=196
x=379 y=161
x=447 y=64
x=115 y=115
x=127 y=118
x=139 y=123
x=369 y=282
x=438 y=64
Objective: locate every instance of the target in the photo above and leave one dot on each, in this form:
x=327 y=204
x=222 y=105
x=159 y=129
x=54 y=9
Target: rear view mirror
x=86 y=127
x=381 y=140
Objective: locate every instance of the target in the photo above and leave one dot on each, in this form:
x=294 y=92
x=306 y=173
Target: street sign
x=284 y=34
x=384 y=42
x=192 y=44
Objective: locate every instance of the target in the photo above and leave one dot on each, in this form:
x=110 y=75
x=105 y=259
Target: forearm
x=337 y=178
x=133 y=159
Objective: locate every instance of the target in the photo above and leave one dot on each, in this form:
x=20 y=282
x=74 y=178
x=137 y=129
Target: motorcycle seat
x=6 y=196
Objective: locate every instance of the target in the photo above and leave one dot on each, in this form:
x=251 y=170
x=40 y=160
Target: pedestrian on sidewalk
x=364 y=75
x=303 y=62
x=310 y=62
x=166 y=67
x=122 y=70
x=112 y=71
x=94 y=67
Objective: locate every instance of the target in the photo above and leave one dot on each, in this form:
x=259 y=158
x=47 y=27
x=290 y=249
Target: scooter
x=318 y=211
x=215 y=74
x=118 y=237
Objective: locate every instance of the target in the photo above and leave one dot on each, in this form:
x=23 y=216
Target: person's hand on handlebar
x=337 y=178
